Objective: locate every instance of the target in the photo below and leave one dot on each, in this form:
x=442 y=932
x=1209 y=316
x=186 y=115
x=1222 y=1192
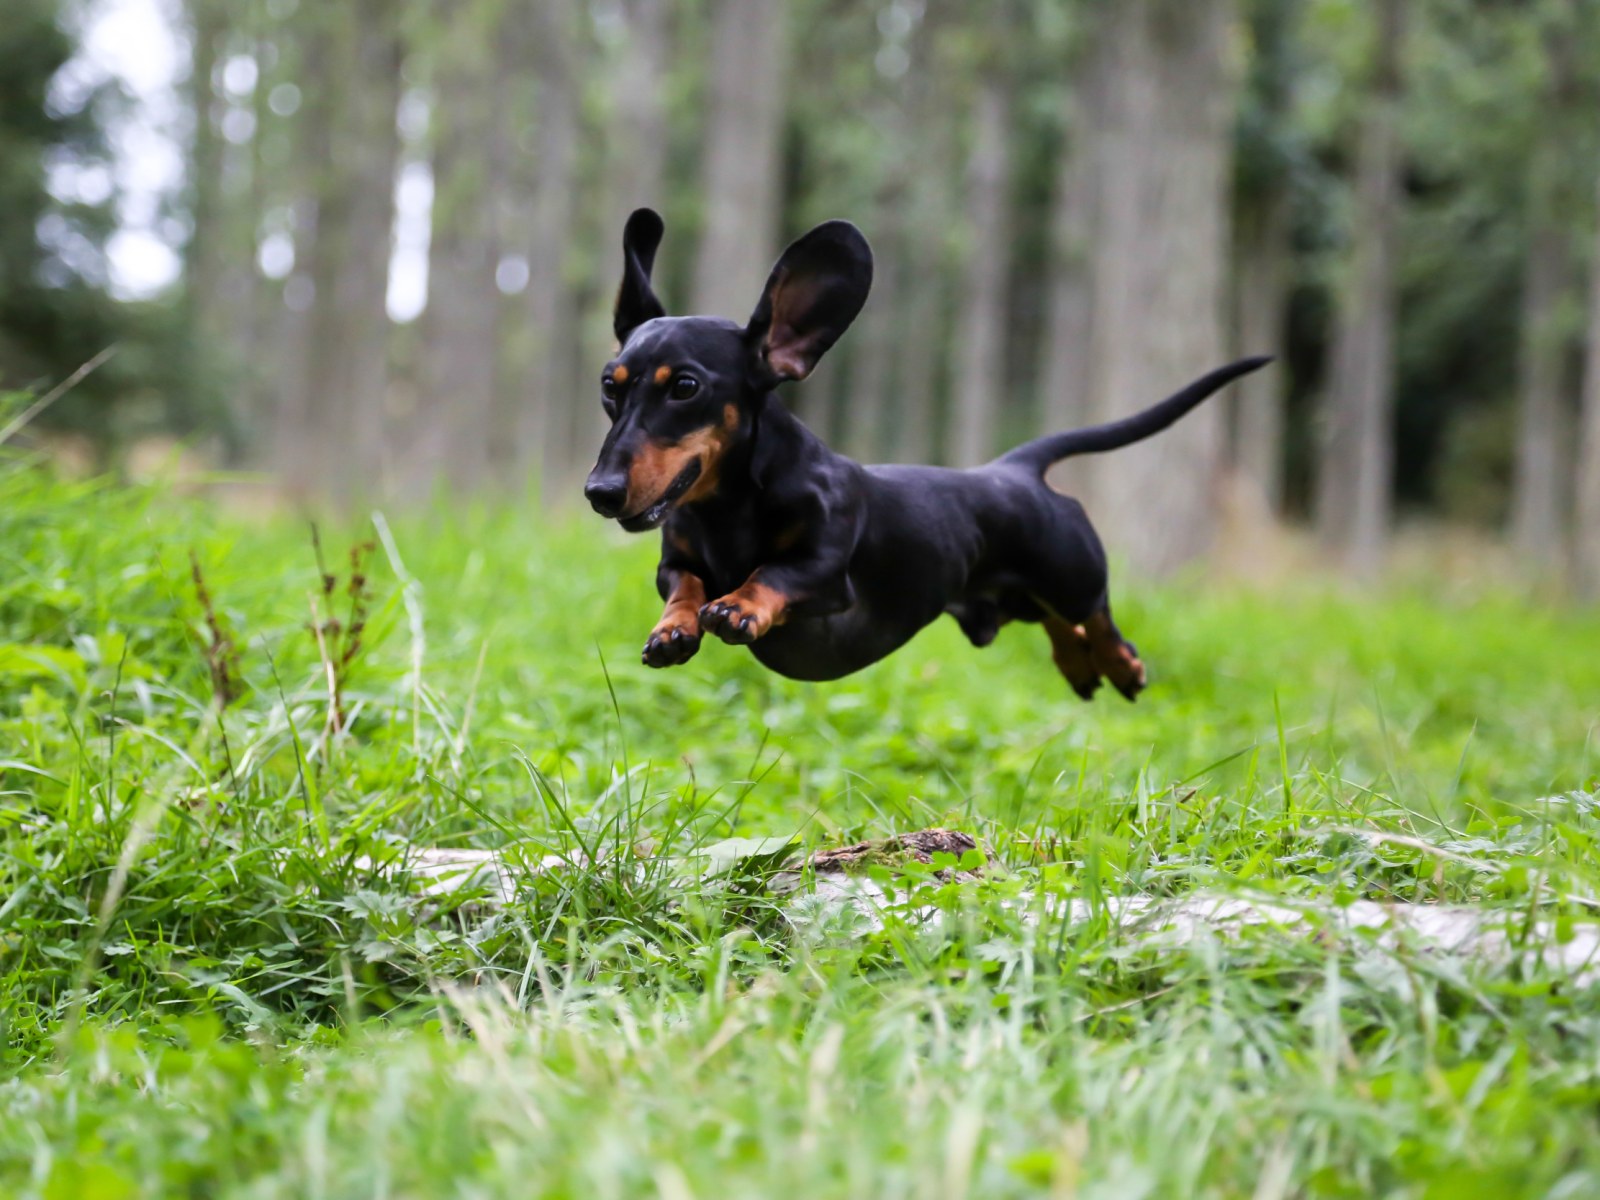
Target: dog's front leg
x=676 y=637
x=748 y=612
x=807 y=572
x=807 y=581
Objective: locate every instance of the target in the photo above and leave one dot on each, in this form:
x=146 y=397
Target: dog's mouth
x=649 y=518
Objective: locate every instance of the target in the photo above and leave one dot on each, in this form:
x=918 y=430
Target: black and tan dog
x=823 y=566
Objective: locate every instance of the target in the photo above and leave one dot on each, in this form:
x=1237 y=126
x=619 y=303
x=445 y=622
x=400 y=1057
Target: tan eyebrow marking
x=663 y=373
x=620 y=373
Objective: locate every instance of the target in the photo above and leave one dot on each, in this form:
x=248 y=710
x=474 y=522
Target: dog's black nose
x=606 y=493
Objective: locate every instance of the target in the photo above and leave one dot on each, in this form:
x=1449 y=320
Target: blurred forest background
x=394 y=238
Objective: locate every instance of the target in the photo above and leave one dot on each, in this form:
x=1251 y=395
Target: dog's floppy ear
x=636 y=301
x=812 y=295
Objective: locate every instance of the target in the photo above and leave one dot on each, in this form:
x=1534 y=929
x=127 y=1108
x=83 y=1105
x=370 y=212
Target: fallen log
x=836 y=892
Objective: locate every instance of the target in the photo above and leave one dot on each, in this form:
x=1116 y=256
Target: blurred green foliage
x=55 y=310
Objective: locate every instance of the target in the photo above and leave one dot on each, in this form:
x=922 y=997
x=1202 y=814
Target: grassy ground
x=207 y=986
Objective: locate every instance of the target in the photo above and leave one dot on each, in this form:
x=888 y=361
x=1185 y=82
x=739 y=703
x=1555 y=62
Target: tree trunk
x=919 y=376
x=455 y=416
x=1157 y=269
x=360 y=330
x=205 y=256
x=635 y=142
x=875 y=338
x=225 y=212
x=331 y=440
x=741 y=182
x=1261 y=308
x=918 y=363
x=980 y=336
x=308 y=37
x=821 y=401
x=542 y=372
x=638 y=139
x=1263 y=262
x=1356 y=484
x=248 y=410
x=1539 y=486
x=1586 y=545
x=1064 y=401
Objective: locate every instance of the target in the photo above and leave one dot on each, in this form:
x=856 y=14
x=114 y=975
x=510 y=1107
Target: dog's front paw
x=732 y=621
x=742 y=616
x=671 y=645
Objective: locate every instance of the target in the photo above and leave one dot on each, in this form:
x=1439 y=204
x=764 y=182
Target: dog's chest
x=729 y=565
x=731 y=547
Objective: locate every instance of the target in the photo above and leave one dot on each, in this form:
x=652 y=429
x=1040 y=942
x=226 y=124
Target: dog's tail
x=1038 y=454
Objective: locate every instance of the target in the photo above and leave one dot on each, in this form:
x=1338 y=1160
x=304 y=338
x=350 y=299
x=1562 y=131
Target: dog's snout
x=606 y=493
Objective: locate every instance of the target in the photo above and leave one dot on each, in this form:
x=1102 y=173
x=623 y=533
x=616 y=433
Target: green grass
x=207 y=986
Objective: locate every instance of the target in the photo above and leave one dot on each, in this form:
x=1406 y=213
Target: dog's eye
x=684 y=387
x=610 y=388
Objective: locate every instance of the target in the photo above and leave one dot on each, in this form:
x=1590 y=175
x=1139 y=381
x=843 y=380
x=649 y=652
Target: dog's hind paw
x=1129 y=677
x=1113 y=656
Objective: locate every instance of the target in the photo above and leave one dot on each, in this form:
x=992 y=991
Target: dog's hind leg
x=1113 y=656
x=1069 y=647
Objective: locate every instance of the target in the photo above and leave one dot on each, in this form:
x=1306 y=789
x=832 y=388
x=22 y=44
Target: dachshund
x=821 y=565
